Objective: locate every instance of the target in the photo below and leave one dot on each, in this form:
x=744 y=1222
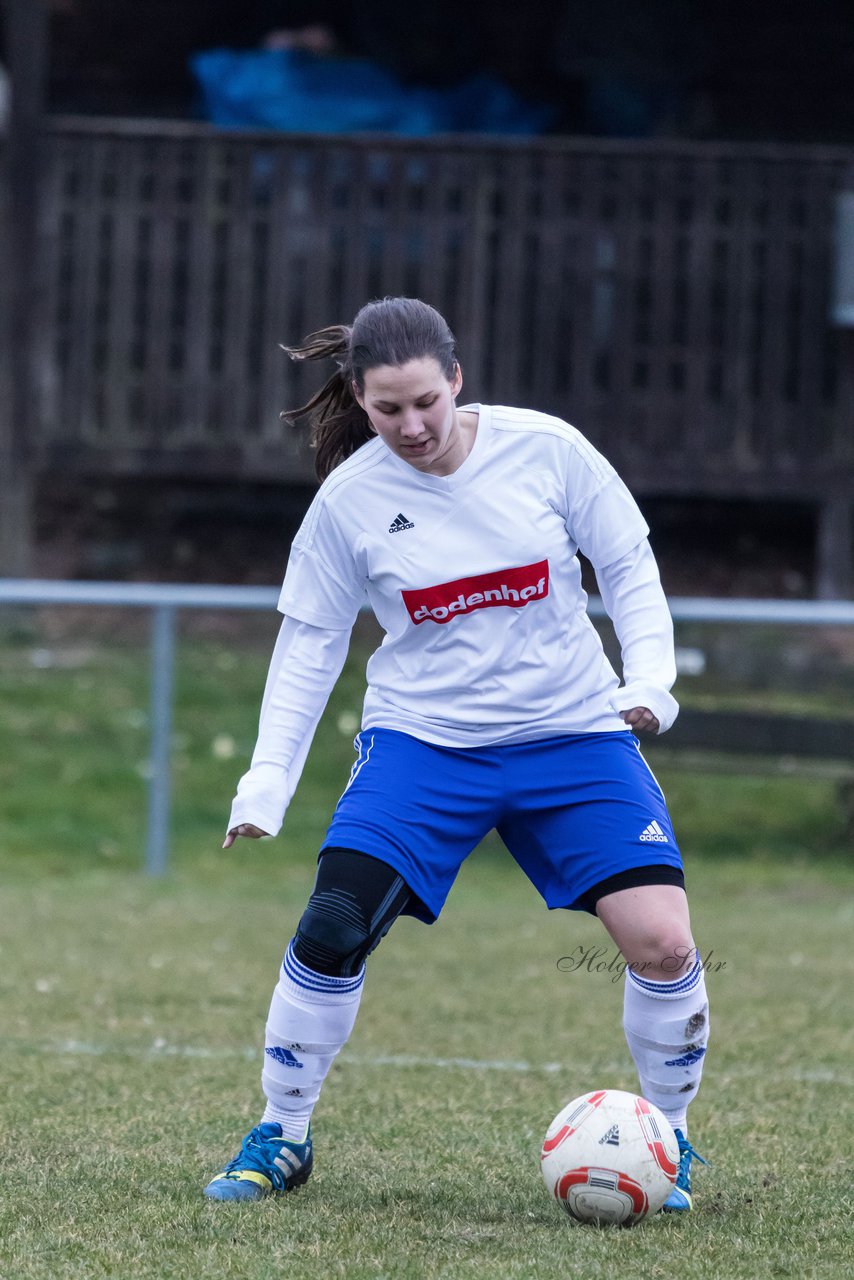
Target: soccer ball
x=610 y=1157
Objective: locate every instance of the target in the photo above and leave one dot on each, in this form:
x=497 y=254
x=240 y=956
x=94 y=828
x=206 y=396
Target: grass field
x=133 y=1012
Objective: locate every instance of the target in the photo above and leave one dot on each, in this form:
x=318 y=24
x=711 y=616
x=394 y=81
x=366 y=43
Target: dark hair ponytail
x=339 y=424
x=392 y=331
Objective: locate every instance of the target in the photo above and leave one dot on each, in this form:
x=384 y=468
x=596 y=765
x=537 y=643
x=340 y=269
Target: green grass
x=72 y=787
x=133 y=1011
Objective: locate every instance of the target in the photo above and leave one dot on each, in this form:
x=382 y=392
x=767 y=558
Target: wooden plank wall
x=672 y=300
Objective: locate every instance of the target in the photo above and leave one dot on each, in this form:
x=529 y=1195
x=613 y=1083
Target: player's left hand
x=641 y=720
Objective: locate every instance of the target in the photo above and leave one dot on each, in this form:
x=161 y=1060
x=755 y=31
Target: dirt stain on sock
x=695 y=1024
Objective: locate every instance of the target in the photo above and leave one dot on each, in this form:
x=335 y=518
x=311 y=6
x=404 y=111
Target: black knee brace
x=355 y=901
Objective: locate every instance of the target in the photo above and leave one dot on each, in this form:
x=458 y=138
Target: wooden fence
x=672 y=300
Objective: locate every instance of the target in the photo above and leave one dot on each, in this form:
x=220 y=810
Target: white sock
x=667 y=1030
x=311 y=1017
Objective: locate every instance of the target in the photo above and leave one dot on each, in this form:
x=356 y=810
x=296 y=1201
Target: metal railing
x=166 y=600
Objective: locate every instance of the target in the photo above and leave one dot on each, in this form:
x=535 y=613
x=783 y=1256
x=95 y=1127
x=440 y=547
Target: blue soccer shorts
x=572 y=810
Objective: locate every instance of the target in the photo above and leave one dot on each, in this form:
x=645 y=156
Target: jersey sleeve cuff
x=313 y=617
x=261 y=801
x=654 y=697
x=264 y=820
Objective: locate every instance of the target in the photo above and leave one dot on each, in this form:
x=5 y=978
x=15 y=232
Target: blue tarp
x=300 y=92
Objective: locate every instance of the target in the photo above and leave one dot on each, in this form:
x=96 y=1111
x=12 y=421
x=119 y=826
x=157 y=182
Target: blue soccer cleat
x=679 y=1200
x=266 y=1163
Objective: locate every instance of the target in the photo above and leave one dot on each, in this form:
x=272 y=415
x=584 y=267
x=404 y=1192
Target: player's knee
x=328 y=944
x=662 y=954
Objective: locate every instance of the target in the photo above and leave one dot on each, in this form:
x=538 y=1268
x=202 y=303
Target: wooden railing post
x=26 y=30
x=835 y=533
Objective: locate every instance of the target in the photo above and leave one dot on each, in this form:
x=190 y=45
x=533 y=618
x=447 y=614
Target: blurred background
x=637 y=217
x=641 y=220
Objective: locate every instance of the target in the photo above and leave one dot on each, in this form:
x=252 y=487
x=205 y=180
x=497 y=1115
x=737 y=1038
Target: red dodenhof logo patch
x=504 y=588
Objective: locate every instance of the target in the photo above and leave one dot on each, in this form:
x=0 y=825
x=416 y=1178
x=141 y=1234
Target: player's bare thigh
x=651 y=926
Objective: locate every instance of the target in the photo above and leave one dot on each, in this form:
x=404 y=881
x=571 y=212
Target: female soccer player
x=490 y=703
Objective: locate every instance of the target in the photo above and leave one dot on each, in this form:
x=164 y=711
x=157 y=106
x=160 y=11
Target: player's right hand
x=245 y=829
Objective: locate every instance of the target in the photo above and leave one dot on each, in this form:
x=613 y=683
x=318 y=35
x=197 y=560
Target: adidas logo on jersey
x=654 y=833
x=399 y=523
x=511 y=588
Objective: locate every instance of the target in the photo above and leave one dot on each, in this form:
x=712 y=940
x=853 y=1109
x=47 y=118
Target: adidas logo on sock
x=399 y=523
x=654 y=833
x=688 y=1059
x=611 y=1138
x=284 y=1057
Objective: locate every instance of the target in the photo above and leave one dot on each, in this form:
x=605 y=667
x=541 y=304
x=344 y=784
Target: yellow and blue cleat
x=266 y=1163
x=680 y=1200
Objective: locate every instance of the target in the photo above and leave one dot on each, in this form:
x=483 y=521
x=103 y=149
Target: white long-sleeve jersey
x=475 y=580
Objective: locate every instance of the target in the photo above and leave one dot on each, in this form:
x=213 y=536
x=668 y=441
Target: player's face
x=411 y=407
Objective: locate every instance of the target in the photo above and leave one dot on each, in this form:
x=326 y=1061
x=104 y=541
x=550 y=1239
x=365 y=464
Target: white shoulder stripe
x=531 y=420
x=366 y=458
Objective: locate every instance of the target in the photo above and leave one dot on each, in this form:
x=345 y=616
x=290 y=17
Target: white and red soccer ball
x=610 y=1157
